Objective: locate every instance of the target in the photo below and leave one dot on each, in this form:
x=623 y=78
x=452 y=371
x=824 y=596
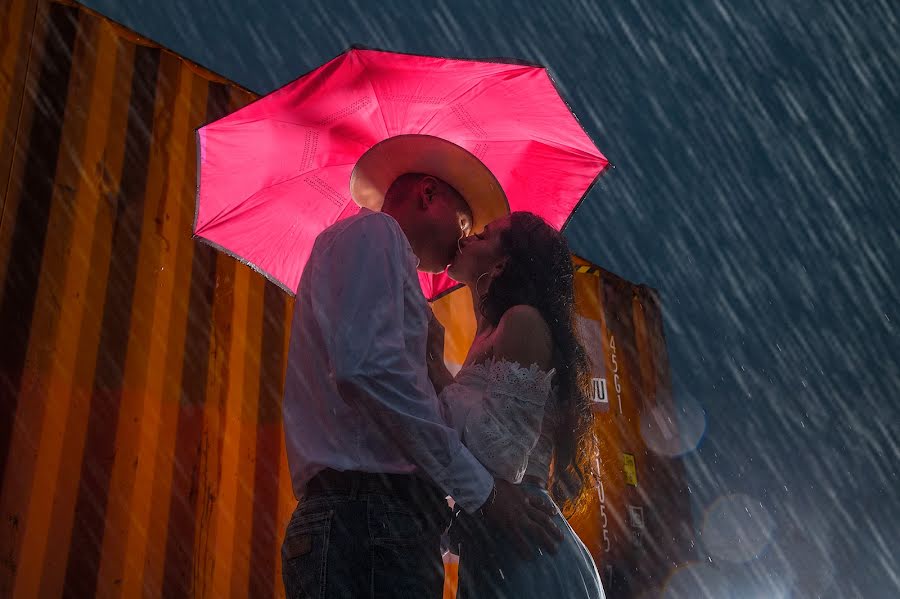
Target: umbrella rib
x=559 y=147
x=234 y=209
x=450 y=102
x=374 y=93
x=238 y=123
x=572 y=152
x=446 y=104
x=475 y=82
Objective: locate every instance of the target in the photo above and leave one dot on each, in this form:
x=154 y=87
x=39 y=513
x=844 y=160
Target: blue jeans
x=368 y=545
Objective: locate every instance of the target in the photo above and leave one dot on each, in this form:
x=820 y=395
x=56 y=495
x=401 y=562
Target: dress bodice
x=505 y=415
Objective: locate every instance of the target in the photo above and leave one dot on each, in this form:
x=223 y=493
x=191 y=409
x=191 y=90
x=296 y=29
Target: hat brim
x=380 y=166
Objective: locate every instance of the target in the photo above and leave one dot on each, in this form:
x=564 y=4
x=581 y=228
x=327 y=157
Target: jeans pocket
x=398 y=523
x=304 y=552
x=406 y=551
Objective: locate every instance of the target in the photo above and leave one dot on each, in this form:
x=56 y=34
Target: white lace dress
x=505 y=414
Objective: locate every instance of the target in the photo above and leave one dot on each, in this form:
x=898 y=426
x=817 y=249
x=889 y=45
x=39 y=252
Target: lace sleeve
x=502 y=429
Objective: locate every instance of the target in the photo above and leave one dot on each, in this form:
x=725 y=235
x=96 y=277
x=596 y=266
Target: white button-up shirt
x=357 y=393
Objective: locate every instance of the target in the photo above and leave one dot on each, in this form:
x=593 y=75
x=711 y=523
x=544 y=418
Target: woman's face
x=479 y=253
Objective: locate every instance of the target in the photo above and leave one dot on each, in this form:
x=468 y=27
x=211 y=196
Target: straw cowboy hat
x=385 y=161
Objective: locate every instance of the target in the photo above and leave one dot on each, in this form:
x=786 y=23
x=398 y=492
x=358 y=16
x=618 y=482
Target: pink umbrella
x=277 y=172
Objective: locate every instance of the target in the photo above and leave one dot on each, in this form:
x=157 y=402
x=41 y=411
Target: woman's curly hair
x=539 y=273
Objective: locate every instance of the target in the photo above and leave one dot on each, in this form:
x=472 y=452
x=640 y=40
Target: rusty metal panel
x=140 y=373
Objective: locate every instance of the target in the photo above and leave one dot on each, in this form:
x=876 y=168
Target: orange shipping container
x=141 y=374
x=140 y=434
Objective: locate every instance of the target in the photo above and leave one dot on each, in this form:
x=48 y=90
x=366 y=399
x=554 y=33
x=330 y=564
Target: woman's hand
x=528 y=520
x=437 y=370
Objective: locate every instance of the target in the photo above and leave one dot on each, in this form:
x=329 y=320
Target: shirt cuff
x=466 y=481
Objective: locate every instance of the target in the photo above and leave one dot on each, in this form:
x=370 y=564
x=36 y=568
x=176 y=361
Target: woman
x=520 y=404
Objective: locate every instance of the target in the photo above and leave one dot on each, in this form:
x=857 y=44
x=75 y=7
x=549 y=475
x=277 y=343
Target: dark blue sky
x=756 y=186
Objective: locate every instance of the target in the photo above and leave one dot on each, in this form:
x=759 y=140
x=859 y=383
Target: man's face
x=435 y=219
x=479 y=253
x=444 y=224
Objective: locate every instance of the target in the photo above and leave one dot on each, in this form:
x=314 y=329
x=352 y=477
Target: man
x=371 y=460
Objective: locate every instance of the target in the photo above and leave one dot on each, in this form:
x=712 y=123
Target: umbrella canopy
x=276 y=173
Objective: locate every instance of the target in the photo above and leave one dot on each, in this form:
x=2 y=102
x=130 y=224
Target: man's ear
x=426 y=190
x=465 y=223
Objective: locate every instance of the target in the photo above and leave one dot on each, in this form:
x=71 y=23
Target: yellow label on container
x=630 y=469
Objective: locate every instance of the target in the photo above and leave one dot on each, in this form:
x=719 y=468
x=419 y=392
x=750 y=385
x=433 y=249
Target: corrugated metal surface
x=139 y=422
x=140 y=373
x=638 y=525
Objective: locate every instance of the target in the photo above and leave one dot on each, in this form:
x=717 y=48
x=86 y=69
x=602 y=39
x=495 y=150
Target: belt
x=331 y=481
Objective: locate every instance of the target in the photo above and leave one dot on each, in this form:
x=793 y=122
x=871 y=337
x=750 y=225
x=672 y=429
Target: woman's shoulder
x=524 y=336
x=524 y=318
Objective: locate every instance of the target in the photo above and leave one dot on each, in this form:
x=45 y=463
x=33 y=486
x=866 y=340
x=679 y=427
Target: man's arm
x=358 y=297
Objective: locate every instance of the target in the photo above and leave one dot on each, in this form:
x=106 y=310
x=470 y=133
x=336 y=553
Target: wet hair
x=404 y=184
x=539 y=273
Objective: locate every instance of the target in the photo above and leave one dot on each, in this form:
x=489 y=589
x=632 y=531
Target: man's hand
x=527 y=520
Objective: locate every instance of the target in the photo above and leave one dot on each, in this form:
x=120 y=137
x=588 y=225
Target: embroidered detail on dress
x=501 y=427
x=530 y=380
